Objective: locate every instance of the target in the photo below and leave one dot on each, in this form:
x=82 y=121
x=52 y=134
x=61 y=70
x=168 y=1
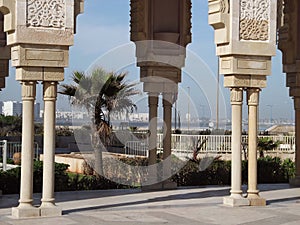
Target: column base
x=295 y=182
x=25 y=212
x=236 y=201
x=257 y=201
x=49 y=211
x=165 y=185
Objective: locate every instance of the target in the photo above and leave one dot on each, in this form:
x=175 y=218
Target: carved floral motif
x=254 y=20
x=46 y=13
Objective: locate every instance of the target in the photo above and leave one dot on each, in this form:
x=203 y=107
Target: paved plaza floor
x=194 y=205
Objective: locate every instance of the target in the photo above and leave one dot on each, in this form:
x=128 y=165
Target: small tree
x=100 y=93
x=265 y=144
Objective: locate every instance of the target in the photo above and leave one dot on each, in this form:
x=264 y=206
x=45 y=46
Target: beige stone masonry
x=39 y=56
x=245 y=81
x=289 y=44
x=40 y=41
x=245 y=65
x=40 y=74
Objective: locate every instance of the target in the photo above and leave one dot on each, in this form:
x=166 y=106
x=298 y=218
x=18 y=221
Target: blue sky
x=105 y=26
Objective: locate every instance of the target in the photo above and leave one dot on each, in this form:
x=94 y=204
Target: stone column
x=153 y=105
x=296 y=181
x=167 y=106
x=236 y=198
x=25 y=208
x=253 y=192
x=167 y=163
x=48 y=207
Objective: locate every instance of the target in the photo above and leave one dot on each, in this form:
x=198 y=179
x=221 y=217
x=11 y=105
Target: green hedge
x=270 y=170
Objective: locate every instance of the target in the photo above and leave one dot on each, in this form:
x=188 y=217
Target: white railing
x=14 y=147
x=136 y=148
x=184 y=145
x=3 y=150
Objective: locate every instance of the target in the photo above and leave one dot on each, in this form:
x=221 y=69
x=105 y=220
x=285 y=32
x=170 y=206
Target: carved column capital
x=168 y=99
x=50 y=91
x=28 y=90
x=236 y=96
x=253 y=96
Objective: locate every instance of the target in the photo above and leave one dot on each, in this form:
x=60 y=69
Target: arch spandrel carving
x=52 y=15
x=287 y=31
x=255 y=20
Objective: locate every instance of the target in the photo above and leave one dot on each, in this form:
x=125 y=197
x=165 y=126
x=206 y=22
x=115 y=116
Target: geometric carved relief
x=236 y=95
x=254 y=20
x=46 y=13
x=138 y=20
x=2 y=33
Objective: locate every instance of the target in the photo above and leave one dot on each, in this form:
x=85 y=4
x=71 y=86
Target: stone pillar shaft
x=27 y=154
x=167 y=105
x=236 y=171
x=153 y=105
x=236 y=198
x=252 y=97
x=253 y=102
x=48 y=205
x=25 y=208
x=297 y=141
x=296 y=181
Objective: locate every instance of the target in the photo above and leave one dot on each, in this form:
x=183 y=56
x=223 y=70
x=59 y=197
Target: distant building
x=37 y=109
x=281 y=130
x=140 y=117
x=14 y=108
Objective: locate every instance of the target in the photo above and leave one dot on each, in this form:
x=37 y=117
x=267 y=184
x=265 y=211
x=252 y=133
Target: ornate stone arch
x=7 y=24
x=7 y=8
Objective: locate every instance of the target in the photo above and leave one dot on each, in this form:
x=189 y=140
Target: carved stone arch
x=7 y=8
x=78 y=9
x=6 y=25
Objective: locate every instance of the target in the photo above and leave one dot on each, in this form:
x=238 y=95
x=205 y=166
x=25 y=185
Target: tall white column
x=25 y=208
x=236 y=198
x=48 y=207
x=296 y=181
x=253 y=192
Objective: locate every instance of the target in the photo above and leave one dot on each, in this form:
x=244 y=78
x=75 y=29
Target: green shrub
x=10 y=181
x=218 y=173
x=270 y=170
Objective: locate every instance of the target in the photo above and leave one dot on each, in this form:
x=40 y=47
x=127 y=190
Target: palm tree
x=101 y=93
